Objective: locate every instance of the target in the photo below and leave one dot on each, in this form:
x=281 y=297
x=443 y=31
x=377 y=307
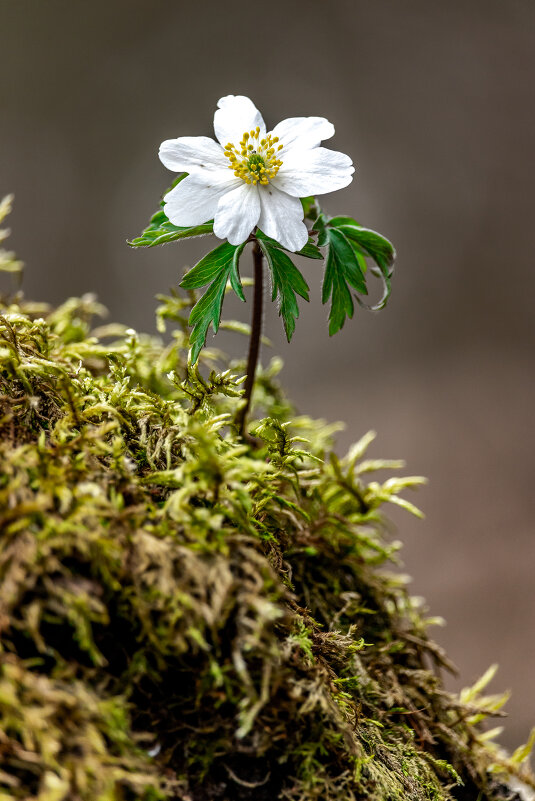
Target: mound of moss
x=187 y=616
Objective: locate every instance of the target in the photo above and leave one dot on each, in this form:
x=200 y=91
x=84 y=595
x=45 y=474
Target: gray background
x=434 y=102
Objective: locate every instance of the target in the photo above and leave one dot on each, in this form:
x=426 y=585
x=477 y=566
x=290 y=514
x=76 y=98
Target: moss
x=185 y=616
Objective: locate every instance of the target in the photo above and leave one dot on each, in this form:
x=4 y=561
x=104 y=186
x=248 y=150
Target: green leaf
x=207 y=310
x=349 y=246
x=320 y=225
x=160 y=231
x=310 y=250
x=334 y=222
x=381 y=251
x=342 y=272
x=209 y=266
x=377 y=246
x=360 y=252
x=359 y=255
x=287 y=282
x=235 y=280
x=216 y=268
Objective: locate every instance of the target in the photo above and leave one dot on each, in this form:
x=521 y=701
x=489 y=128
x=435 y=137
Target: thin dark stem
x=256 y=331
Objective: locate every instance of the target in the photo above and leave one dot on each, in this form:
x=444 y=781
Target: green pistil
x=255 y=162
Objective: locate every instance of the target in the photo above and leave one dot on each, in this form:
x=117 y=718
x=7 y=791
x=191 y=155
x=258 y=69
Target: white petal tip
x=234 y=240
x=163 y=154
x=223 y=101
x=300 y=244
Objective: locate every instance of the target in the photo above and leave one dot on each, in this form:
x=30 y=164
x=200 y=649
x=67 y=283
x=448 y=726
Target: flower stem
x=256 y=331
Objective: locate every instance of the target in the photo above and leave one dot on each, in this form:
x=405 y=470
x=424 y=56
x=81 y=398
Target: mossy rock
x=184 y=615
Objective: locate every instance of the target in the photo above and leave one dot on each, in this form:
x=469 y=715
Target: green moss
x=167 y=588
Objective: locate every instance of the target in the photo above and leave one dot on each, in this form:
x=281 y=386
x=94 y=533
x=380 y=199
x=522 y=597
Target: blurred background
x=435 y=103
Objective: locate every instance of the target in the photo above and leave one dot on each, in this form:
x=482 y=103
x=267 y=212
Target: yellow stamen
x=254 y=160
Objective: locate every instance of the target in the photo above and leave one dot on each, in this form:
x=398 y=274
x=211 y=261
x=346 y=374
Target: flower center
x=255 y=159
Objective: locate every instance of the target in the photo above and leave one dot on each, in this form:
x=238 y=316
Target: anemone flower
x=249 y=177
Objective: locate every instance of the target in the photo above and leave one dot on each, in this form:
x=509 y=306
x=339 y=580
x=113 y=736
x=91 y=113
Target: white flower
x=252 y=178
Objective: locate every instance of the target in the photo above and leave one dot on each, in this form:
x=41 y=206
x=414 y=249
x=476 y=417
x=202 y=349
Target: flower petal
x=192 y=153
x=235 y=115
x=237 y=213
x=281 y=218
x=194 y=200
x=316 y=171
x=303 y=132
